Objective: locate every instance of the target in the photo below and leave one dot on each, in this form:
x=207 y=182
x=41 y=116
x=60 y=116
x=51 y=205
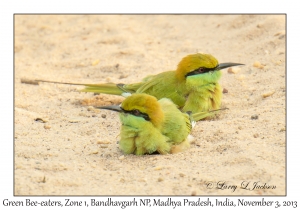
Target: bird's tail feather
x=201 y=115
x=108 y=88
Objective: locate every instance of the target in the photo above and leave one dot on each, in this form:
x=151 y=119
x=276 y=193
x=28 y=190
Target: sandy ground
x=75 y=151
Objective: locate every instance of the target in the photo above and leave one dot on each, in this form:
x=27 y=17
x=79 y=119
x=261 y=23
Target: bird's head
x=200 y=65
x=140 y=105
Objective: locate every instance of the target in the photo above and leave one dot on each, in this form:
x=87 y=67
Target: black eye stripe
x=201 y=70
x=137 y=113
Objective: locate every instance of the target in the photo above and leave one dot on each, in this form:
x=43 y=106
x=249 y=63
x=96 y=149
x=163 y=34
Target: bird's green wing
x=163 y=85
x=140 y=137
x=177 y=125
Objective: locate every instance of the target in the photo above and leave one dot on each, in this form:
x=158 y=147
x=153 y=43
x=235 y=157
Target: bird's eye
x=201 y=70
x=136 y=112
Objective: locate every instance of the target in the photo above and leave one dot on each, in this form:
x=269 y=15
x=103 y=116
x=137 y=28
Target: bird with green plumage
x=149 y=125
x=193 y=86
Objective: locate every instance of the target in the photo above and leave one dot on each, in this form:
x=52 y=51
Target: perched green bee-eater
x=150 y=125
x=193 y=86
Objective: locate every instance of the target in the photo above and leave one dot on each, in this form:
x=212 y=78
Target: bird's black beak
x=112 y=108
x=226 y=65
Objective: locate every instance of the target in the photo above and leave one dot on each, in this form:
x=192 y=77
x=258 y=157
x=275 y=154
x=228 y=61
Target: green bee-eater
x=150 y=125
x=193 y=86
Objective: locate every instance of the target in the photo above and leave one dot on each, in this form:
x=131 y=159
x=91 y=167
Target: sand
x=72 y=149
